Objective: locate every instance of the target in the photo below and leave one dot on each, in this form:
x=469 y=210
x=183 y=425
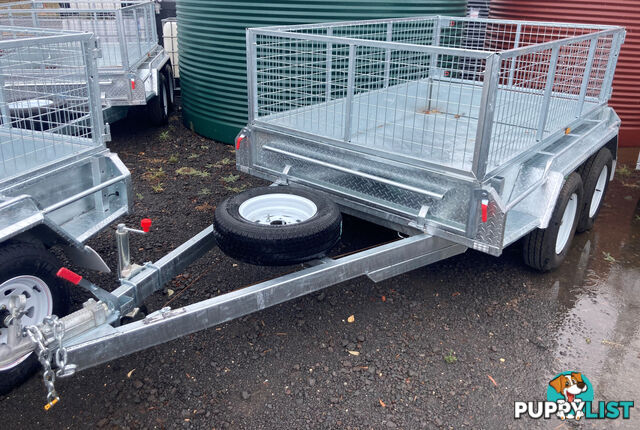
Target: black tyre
x=158 y=106
x=167 y=71
x=277 y=226
x=545 y=249
x=595 y=173
x=29 y=269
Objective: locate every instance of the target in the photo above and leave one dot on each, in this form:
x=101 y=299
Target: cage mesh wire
x=45 y=99
x=426 y=106
x=125 y=30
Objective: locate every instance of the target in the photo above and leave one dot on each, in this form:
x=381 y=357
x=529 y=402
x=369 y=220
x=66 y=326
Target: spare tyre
x=277 y=226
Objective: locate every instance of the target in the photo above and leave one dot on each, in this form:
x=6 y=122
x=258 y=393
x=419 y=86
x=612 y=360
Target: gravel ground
x=451 y=345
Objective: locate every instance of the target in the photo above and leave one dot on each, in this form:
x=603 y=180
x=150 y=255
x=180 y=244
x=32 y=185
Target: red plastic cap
x=145 y=223
x=68 y=275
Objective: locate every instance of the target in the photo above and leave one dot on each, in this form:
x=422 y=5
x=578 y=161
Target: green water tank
x=211 y=40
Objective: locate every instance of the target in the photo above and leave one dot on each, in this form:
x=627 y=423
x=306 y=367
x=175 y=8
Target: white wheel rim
x=39 y=305
x=566 y=224
x=164 y=100
x=598 y=192
x=277 y=209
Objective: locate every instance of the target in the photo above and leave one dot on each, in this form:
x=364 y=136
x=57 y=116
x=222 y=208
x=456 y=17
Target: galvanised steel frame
x=424 y=120
x=55 y=169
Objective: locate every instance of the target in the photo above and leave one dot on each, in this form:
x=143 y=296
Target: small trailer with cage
x=133 y=69
x=59 y=184
x=457 y=133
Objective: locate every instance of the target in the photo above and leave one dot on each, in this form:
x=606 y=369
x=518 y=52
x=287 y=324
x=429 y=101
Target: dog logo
x=570 y=397
x=570 y=388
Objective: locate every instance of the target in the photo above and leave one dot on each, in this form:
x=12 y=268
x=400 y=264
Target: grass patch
x=164 y=135
x=224 y=162
x=236 y=189
x=230 y=178
x=608 y=257
x=194 y=156
x=173 y=159
x=624 y=170
x=204 y=146
x=154 y=174
x=450 y=358
x=190 y=171
x=139 y=196
x=204 y=192
x=157 y=188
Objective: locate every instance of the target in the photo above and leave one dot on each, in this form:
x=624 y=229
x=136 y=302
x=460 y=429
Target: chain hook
x=44 y=356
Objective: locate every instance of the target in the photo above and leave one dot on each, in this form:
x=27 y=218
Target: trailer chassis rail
x=90 y=339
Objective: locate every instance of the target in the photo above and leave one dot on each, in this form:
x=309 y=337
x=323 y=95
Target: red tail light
x=239 y=140
x=485 y=209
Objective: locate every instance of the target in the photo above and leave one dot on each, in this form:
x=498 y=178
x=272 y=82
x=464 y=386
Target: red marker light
x=485 y=209
x=133 y=84
x=68 y=275
x=145 y=223
x=239 y=140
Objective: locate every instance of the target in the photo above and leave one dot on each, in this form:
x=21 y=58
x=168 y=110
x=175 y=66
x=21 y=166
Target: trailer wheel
x=595 y=174
x=167 y=70
x=29 y=269
x=277 y=226
x=545 y=249
x=158 y=106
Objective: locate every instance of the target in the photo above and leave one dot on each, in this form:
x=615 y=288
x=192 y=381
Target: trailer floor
x=23 y=149
x=426 y=347
x=427 y=122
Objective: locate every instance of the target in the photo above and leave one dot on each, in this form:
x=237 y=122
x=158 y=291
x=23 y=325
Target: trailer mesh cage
x=126 y=30
x=455 y=94
x=49 y=103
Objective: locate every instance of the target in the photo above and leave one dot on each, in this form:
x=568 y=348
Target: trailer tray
x=404 y=120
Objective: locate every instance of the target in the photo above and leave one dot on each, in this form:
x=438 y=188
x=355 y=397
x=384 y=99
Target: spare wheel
x=277 y=226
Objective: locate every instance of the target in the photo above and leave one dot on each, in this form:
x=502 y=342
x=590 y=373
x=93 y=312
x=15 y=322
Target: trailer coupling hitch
x=46 y=338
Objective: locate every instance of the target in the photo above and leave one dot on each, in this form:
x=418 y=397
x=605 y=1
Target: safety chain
x=44 y=357
x=64 y=369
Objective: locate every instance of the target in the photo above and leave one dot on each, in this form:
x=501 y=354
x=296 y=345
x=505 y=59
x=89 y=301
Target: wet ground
x=452 y=345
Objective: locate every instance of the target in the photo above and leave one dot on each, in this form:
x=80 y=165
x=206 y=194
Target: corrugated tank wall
x=626 y=91
x=211 y=37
